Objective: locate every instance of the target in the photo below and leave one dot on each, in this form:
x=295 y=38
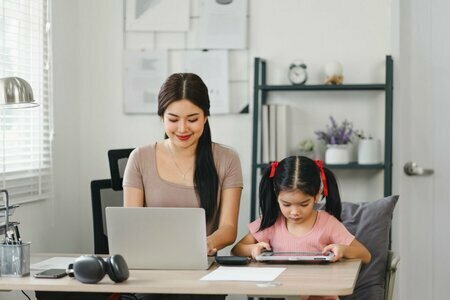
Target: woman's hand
x=210 y=246
x=338 y=251
x=258 y=248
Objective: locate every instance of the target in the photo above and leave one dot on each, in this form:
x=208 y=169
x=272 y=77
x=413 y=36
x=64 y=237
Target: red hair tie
x=319 y=164
x=273 y=167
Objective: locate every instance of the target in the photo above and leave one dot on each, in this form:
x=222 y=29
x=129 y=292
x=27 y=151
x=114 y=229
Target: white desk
x=329 y=279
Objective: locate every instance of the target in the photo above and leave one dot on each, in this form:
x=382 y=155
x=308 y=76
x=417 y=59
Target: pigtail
x=333 y=204
x=268 y=203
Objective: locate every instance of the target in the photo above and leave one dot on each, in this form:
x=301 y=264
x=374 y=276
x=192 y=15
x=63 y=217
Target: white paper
x=223 y=26
x=157 y=15
x=212 y=67
x=144 y=73
x=244 y=274
x=58 y=262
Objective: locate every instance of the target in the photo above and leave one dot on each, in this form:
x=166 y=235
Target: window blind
x=26 y=134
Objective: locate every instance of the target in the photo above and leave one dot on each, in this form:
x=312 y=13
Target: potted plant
x=338 y=138
x=369 y=149
x=306 y=148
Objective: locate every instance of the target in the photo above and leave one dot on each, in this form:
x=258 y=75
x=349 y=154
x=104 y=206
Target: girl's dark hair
x=295 y=173
x=190 y=86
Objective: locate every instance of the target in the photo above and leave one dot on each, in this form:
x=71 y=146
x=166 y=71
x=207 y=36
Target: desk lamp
x=15 y=93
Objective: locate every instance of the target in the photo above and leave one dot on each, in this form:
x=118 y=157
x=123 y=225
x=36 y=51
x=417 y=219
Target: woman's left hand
x=338 y=251
x=211 y=250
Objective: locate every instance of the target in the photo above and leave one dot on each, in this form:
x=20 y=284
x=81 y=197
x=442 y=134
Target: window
x=26 y=134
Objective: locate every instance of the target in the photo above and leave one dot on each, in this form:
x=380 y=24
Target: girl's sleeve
x=132 y=176
x=338 y=233
x=263 y=235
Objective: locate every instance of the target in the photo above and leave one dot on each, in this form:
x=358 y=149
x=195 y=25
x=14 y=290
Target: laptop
x=295 y=257
x=159 y=238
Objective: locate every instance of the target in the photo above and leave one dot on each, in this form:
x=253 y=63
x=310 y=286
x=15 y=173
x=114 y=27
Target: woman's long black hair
x=190 y=86
x=295 y=173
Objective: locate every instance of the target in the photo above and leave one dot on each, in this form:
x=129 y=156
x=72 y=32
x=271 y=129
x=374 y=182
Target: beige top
x=141 y=173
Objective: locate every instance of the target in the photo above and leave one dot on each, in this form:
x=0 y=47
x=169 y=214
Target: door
x=422 y=105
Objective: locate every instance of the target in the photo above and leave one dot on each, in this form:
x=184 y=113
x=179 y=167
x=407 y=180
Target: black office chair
x=102 y=196
x=117 y=162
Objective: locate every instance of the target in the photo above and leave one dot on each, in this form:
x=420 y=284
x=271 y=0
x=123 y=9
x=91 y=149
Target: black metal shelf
x=260 y=92
x=324 y=87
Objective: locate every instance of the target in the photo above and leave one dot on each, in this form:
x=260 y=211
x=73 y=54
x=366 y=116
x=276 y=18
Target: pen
x=17 y=234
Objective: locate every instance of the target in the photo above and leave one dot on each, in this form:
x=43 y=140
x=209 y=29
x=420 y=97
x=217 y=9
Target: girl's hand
x=338 y=251
x=258 y=248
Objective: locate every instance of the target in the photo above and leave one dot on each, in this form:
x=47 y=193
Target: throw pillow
x=370 y=222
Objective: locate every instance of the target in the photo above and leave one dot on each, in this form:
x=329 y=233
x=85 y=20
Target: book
x=282 y=131
x=272 y=132
x=265 y=133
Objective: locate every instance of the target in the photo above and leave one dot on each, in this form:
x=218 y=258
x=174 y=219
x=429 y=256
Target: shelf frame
x=260 y=91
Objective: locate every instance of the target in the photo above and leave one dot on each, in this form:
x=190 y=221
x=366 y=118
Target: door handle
x=412 y=169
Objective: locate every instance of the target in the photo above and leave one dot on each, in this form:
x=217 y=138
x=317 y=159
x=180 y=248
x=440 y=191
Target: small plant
x=336 y=134
x=306 y=145
x=361 y=135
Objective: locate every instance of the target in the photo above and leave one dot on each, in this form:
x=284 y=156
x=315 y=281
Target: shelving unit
x=260 y=91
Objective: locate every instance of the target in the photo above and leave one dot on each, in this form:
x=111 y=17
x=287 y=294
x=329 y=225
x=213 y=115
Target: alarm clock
x=297 y=72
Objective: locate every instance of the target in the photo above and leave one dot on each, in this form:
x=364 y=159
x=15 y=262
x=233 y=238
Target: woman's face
x=296 y=206
x=184 y=123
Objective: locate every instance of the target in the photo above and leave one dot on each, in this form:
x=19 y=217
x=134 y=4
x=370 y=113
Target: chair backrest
x=117 y=162
x=391 y=269
x=102 y=196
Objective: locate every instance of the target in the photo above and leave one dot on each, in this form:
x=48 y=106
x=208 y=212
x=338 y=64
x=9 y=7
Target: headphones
x=92 y=269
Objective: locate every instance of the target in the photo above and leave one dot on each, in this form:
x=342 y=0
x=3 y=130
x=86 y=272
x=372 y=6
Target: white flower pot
x=369 y=152
x=337 y=154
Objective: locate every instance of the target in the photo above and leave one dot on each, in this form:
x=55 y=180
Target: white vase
x=337 y=154
x=369 y=152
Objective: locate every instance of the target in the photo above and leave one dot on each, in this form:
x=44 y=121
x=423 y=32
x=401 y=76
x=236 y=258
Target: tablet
x=295 y=257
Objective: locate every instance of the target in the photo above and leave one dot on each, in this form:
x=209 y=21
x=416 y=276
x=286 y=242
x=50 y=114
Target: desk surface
x=330 y=279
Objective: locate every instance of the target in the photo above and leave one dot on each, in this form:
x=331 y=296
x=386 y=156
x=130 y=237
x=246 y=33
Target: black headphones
x=92 y=269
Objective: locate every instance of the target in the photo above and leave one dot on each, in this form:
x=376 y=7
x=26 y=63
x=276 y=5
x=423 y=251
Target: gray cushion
x=370 y=223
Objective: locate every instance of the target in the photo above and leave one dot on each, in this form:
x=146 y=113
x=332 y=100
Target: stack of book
x=274 y=129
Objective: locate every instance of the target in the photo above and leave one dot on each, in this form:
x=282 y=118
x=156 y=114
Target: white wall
x=89 y=118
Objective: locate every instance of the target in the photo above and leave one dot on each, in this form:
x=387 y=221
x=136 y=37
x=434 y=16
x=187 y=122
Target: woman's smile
x=184 y=137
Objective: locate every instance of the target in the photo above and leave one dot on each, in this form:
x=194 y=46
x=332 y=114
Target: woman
x=187 y=169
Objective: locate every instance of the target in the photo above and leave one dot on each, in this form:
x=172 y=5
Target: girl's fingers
x=327 y=249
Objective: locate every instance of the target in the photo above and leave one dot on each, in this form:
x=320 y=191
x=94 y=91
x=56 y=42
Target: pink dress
x=326 y=230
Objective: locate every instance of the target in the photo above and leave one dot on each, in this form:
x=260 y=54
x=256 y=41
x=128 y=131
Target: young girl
x=292 y=187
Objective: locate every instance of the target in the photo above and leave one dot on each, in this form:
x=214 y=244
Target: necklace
x=180 y=171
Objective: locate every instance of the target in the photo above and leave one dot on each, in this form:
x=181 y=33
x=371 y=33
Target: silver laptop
x=159 y=238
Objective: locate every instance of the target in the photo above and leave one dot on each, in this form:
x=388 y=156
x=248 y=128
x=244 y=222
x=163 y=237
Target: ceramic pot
x=337 y=154
x=369 y=152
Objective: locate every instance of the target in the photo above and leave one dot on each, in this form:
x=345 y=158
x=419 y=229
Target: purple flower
x=336 y=134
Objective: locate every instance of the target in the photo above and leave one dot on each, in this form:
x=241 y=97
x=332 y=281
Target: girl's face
x=184 y=123
x=296 y=206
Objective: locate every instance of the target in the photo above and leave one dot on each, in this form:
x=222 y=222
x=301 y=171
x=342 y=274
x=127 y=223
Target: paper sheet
x=58 y=262
x=157 y=15
x=143 y=74
x=244 y=274
x=212 y=67
x=223 y=26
